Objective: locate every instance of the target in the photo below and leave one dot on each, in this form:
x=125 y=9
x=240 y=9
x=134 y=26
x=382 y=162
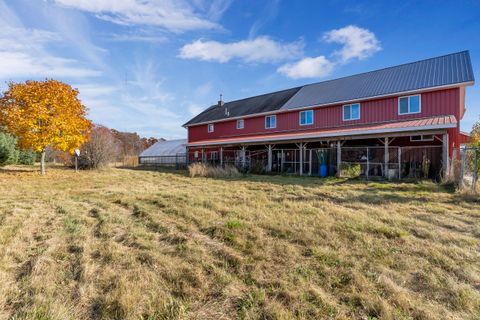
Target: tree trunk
x=42 y=163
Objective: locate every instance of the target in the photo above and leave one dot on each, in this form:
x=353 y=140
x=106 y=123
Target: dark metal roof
x=258 y=104
x=445 y=70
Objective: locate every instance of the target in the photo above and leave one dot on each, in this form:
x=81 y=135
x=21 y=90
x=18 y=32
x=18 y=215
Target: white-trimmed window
x=424 y=137
x=410 y=104
x=351 y=112
x=211 y=128
x=240 y=124
x=270 y=122
x=306 y=117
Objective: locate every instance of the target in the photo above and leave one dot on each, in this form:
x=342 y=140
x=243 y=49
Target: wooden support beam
x=445 y=156
x=270 y=158
x=339 y=158
x=368 y=163
x=221 y=156
x=300 y=169
x=310 y=163
x=282 y=159
x=386 y=158
x=399 y=163
x=243 y=156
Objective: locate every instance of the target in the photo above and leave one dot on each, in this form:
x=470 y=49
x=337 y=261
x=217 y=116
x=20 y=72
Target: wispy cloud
x=24 y=53
x=357 y=43
x=173 y=15
x=137 y=38
x=195 y=109
x=317 y=67
x=270 y=11
x=262 y=49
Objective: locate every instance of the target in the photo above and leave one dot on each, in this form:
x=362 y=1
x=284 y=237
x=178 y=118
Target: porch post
x=399 y=163
x=282 y=158
x=368 y=163
x=339 y=158
x=221 y=156
x=203 y=157
x=269 y=165
x=310 y=163
x=300 y=170
x=242 y=155
x=445 y=155
x=386 y=158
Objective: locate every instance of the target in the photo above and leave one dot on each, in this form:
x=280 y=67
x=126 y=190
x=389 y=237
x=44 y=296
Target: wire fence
x=370 y=162
x=465 y=168
x=178 y=161
x=412 y=162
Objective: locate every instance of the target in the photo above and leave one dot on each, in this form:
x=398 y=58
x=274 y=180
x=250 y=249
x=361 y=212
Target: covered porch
x=394 y=151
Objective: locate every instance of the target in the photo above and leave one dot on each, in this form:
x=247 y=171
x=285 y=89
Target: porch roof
x=424 y=124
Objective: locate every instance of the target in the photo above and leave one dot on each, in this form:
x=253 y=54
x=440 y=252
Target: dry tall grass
x=207 y=171
x=128 y=244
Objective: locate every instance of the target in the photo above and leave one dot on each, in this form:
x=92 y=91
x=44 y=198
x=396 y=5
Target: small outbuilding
x=165 y=153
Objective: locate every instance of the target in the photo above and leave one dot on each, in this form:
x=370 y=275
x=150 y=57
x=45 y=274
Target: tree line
x=47 y=119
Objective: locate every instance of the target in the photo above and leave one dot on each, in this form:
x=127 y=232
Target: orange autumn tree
x=44 y=114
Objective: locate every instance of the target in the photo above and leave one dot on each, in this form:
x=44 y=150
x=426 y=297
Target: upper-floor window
x=240 y=124
x=351 y=112
x=211 y=128
x=306 y=117
x=270 y=122
x=409 y=104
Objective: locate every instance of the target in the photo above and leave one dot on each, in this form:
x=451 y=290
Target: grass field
x=132 y=244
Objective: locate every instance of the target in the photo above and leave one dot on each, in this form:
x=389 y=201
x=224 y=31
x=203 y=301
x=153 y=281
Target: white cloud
x=308 y=68
x=358 y=43
x=261 y=49
x=173 y=15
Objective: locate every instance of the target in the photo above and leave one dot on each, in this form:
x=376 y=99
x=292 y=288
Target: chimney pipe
x=220 y=102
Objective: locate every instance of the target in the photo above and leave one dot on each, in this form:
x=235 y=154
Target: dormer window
x=240 y=124
x=409 y=104
x=211 y=128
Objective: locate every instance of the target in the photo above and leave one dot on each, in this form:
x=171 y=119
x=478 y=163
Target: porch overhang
x=399 y=128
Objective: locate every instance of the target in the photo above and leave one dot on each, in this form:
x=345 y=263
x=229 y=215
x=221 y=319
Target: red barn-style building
x=387 y=122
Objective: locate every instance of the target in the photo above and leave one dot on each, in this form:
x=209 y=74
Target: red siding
x=434 y=103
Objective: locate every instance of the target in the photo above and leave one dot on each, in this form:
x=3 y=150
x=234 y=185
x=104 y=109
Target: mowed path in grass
x=133 y=244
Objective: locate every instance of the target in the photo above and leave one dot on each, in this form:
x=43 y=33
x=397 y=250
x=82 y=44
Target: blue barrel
x=323 y=170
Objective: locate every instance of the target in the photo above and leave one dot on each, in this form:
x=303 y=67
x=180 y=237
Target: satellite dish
x=77 y=152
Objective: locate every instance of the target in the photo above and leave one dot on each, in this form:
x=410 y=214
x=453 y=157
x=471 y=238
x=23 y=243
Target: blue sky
x=150 y=65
